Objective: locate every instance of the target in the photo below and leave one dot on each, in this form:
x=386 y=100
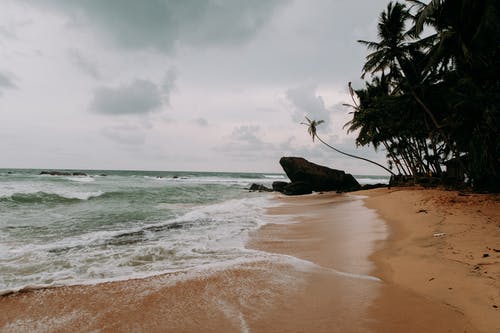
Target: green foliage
x=436 y=96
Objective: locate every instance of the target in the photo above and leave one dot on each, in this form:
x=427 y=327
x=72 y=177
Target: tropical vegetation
x=432 y=93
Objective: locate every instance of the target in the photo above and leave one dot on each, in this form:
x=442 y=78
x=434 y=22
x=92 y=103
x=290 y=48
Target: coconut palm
x=396 y=53
x=390 y=51
x=312 y=130
x=465 y=52
x=454 y=70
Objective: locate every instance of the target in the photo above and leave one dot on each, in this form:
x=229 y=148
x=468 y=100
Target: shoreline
x=285 y=292
x=319 y=274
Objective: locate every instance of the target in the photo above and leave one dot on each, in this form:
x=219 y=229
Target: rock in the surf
x=320 y=177
x=63 y=173
x=279 y=186
x=298 y=188
x=259 y=187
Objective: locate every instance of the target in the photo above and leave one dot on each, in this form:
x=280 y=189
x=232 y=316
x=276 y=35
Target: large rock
x=279 y=186
x=298 y=188
x=320 y=177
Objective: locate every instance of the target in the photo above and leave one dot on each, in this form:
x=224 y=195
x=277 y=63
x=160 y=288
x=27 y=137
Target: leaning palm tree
x=311 y=129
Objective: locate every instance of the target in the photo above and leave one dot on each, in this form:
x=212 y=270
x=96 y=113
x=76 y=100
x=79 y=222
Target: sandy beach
x=444 y=246
x=382 y=260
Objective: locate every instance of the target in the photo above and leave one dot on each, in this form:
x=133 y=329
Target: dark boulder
x=298 y=188
x=279 y=186
x=259 y=188
x=63 y=173
x=320 y=177
x=55 y=173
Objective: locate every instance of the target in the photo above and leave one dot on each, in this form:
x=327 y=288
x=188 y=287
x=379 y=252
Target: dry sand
x=329 y=288
x=443 y=246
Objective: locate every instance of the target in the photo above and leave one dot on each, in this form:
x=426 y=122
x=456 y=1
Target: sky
x=195 y=85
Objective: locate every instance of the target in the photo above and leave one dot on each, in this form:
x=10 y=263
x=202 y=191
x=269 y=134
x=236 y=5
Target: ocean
x=114 y=225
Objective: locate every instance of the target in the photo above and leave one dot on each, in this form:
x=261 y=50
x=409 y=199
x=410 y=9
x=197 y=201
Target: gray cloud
x=305 y=102
x=138 y=97
x=86 y=65
x=6 y=82
x=162 y=24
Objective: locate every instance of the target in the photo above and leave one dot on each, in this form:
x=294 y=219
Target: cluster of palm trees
x=433 y=92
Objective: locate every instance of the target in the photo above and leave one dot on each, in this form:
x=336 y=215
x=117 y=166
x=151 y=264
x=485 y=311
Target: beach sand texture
x=319 y=279
x=444 y=246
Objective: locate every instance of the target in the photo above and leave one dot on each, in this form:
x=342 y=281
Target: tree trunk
x=354 y=156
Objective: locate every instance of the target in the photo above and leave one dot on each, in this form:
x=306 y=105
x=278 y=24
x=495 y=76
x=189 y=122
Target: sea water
x=111 y=225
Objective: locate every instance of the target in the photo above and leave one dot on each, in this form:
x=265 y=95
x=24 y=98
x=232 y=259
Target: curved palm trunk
x=393 y=157
x=354 y=156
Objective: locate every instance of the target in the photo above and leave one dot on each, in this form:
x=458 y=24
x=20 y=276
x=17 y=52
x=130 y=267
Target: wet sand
x=315 y=277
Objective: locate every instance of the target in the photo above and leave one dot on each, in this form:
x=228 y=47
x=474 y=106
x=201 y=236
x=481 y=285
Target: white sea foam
x=203 y=235
x=10 y=190
x=276 y=177
x=78 y=195
x=82 y=179
x=201 y=270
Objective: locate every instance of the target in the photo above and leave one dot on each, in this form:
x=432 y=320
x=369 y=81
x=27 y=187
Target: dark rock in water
x=55 y=173
x=298 y=188
x=279 y=186
x=63 y=173
x=259 y=187
x=320 y=177
x=175 y=177
x=103 y=175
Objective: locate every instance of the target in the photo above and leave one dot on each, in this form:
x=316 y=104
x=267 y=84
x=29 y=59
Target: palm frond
x=311 y=126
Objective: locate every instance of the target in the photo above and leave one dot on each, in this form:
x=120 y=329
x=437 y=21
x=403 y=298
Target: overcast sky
x=199 y=85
